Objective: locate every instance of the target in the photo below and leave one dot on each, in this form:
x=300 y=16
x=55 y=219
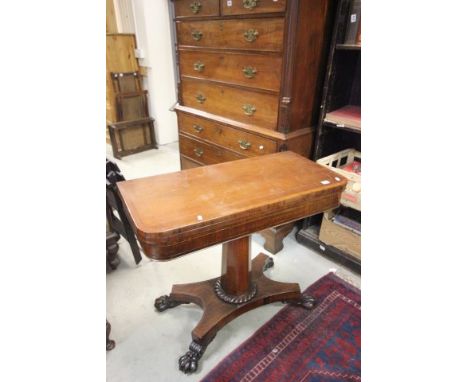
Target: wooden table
x=178 y=213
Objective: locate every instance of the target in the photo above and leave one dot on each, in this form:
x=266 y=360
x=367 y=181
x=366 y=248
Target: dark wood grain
x=205 y=153
x=307 y=61
x=224 y=34
x=206 y=8
x=177 y=213
x=241 y=141
x=288 y=55
x=230 y=102
x=261 y=6
x=186 y=163
x=174 y=214
x=217 y=313
x=227 y=67
x=235 y=266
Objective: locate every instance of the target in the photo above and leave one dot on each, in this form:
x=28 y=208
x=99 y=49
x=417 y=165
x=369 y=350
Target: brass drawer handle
x=249 y=109
x=198 y=128
x=200 y=98
x=251 y=35
x=195 y=7
x=197 y=35
x=249 y=72
x=198 y=152
x=244 y=145
x=198 y=66
x=250 y=4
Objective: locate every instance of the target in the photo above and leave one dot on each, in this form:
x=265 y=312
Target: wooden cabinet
x=250 y=76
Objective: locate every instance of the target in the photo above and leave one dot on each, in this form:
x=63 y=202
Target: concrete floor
x=148 y=343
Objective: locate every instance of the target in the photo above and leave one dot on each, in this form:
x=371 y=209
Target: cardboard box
x=339 y=237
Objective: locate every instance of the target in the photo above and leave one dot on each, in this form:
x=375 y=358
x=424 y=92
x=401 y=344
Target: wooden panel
x=229 y=102
x=132 y=106
x=111 y=21
x=120 y=57
x=184 y=211
x=186 y=163
x=225 y=136
x=204 y=152
x=301 y=144
x=309 y=63
x=233 y=68
x=191 y=8
x=229 y=34
x=246 y=7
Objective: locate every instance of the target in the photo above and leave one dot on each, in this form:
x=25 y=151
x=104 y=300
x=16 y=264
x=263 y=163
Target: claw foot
x=110 y=344
x=306 y=301
x=268 y=264
x=165 y=302
x=188 y=363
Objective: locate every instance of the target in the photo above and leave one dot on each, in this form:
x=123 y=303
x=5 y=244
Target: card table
x=177 y=213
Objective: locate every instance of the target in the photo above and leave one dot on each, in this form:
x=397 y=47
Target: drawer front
x=238 y=140
x=248 y=7
x=254 y=70
x=258 y=34
x=204 y=152
x=245 y=106
x=195 y=8
x=185 y=163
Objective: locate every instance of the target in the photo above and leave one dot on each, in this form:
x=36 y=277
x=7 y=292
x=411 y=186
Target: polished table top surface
x=177 y=213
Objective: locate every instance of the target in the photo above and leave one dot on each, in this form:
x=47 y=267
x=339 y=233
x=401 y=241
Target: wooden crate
x=339 y=237
x=351 y=197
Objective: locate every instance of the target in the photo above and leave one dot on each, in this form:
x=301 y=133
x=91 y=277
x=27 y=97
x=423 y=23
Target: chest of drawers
x=249 y=76
x=249 y=81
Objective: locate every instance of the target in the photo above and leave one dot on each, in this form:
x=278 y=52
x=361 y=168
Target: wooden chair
x=126 y=82
x=119 y=224
x=134 y=130
x=131 y=137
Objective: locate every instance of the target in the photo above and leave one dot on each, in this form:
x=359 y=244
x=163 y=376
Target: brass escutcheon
x=197 y=35
x=249 y=109
x=249 y=72
x=200 y=98
x=198 y=66
x=250 y=4
x=195 y=6
x=198 y=152
x=251 y=35
x=244 y=145
x=198 y=128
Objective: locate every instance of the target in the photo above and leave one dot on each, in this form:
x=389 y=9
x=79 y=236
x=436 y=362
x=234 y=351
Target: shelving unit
x=339 y=125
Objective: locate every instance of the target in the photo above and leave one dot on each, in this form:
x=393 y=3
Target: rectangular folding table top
x=180 y=212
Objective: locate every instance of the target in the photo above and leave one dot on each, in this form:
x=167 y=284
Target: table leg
x=241 y=288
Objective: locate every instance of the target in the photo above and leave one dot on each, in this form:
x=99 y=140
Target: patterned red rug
x=322 y=345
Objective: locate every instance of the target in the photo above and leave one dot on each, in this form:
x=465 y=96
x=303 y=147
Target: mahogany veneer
x=181 y=212
x=252 y=69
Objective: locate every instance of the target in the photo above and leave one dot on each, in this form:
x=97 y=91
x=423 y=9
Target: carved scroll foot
x=110 y=344
x=306 y=301
x=166 y=302
x=188 y=363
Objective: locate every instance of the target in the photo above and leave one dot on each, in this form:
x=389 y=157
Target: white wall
x=153 y=34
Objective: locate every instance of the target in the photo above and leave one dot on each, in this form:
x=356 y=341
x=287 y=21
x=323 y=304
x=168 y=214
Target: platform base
x=218 y=313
